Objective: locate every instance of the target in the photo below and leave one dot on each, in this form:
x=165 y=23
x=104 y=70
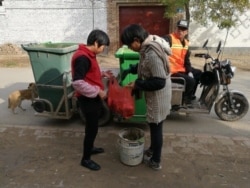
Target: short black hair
x=133 y=31
x=98 y=36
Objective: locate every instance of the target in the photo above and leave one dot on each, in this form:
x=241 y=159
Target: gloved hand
x=132 y=69
x=125 y=73
x=190 y=74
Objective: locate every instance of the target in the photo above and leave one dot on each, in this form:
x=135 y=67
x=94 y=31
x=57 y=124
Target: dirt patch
x=239 y=61
x=11 y=49
x=14 y=56
x=14 y=61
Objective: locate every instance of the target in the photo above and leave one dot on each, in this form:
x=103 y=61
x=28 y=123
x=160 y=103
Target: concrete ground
x=50 y=157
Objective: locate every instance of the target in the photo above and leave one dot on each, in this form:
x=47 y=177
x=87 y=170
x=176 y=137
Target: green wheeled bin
x=51 y=66
x=127 y=57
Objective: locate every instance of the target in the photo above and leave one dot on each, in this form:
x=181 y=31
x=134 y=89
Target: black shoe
x=96 y=150
x=193 y=97
x=189 y=106
x=188 y=103
x=90 y=165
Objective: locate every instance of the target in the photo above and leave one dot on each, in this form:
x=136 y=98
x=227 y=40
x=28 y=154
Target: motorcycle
x=229 y=105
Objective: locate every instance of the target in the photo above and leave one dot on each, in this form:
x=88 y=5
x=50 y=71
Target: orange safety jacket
x=177 y=59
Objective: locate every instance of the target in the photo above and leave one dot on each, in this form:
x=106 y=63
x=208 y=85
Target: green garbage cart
x=51 y=69
x=126 y=58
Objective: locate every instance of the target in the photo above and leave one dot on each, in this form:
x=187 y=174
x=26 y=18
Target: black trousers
x=197 y=74
x=156 y=138
x=91 y=107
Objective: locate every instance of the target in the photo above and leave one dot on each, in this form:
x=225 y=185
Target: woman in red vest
x=89 y=89
x=180 y=65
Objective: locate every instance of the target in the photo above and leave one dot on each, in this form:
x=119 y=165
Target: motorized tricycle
x=51 y=69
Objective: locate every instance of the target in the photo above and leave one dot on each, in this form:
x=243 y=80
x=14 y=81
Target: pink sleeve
x=85 y=88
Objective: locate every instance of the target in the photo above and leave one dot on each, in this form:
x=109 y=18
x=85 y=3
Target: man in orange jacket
x=180 y=65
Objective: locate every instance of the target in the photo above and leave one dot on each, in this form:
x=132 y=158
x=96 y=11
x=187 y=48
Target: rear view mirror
x=218 y=47
x=205 y=44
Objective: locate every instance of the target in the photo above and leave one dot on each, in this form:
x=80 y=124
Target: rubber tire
x=225 y=113
x=105 y=116
x=39 y=106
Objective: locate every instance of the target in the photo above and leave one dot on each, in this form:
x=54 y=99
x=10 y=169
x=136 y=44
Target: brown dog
x=15 y=98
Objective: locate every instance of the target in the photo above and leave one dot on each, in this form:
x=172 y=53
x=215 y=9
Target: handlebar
x=215 y=62
x=203 y=55
x=200 y=55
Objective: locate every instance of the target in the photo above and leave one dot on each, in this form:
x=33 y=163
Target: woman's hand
x=102 y=94
x=131 y=85
x=107 y=74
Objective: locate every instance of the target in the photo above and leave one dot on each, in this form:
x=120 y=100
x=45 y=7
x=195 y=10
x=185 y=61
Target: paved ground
x=49 y=157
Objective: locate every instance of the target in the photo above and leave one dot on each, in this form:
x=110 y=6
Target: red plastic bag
x=120 y=100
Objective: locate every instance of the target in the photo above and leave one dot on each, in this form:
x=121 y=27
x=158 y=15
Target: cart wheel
x=105 y=115
x=39 y=106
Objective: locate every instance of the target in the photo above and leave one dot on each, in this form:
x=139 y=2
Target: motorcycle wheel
x=225 y=112
x=104 y=118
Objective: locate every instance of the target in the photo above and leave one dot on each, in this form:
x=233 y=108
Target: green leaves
x=224 y=13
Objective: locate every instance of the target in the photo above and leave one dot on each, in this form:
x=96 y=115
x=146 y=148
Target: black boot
x=90 y=164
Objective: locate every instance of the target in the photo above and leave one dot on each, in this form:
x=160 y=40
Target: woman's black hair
x=98 y=36
x=133 y=31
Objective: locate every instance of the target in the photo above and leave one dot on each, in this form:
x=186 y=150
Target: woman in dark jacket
x=154 y=80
